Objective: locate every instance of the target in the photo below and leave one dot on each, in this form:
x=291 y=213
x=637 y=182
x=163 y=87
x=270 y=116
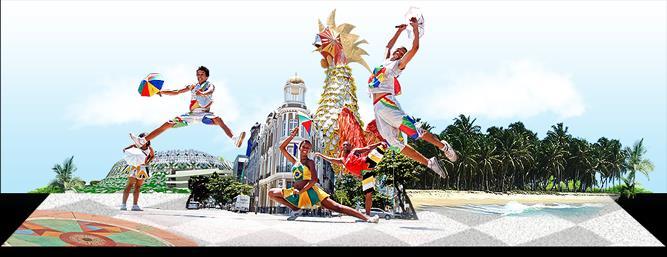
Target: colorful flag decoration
x=151 y=84
x=306 y=122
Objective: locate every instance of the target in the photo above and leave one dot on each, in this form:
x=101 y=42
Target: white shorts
x=391 y=121
x=193 y=117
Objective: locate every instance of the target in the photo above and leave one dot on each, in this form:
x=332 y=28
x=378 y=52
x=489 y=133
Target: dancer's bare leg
x=432 y=139
x=158 y=131
x=334 y=206
x=369 y=202
x=137 y=190
x=413 y=154
x=277 y=195
x=428 y=137
x=128 y=187
x=218 y=121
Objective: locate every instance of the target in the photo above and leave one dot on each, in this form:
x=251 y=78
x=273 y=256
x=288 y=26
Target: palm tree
x=64 y=176
x=560 y=139
x=636 y=162
x=552 y=162
x=514 y=154
x=611 y=158
x=488 y=162
x=583 y=164
x=617 y=159
x=463 y=135
x=529 y=142
x=464 y=126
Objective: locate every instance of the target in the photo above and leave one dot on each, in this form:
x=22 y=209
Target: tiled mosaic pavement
x=165 y=221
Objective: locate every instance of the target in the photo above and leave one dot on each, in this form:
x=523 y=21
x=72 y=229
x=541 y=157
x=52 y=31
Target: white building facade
x=266 y=167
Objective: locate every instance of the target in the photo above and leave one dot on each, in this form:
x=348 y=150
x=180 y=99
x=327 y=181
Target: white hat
x=138 y=141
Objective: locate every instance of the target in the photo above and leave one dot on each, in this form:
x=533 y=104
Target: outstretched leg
x=218 y=121
x=334 y=206
x=447 y=149
x=277 y=195
x=432 y=139
x=414 y=155
x=159 y=130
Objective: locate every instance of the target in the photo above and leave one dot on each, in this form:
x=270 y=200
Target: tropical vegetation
x=516 y=159
x=220 y=189
x=65 y=179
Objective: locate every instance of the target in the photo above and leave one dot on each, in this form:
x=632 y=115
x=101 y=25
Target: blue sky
x=70 y=71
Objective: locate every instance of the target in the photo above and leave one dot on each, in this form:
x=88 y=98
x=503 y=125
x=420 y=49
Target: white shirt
x=199 y=101
x=382 y=80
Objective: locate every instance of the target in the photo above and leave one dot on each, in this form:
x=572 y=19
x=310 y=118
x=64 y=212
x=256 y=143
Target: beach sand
x=455 y=198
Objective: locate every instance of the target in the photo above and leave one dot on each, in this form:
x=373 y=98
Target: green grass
x=572 y=185
x=155 y=184
x=617 y=189
x=47 y=190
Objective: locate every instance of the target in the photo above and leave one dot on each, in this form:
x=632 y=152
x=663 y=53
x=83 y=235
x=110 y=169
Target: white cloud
x=518 y=89
x=119 y=101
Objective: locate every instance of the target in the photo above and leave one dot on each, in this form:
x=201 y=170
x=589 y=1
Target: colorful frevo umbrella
x=331 y=46
x=151 y=84
x=417 y=13
x=306 y=122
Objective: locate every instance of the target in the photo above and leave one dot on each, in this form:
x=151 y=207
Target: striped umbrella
x=151 y=84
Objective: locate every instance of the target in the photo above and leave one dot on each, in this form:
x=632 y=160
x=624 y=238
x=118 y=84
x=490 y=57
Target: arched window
x=293 y=122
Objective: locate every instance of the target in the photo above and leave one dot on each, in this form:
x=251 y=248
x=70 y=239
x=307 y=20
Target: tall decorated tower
x=338 y=48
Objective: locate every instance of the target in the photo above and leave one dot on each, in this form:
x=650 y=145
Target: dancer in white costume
x=200 y=108
x=139 y=171
x=390 y=117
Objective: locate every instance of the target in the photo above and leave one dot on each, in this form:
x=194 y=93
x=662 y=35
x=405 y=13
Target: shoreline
x=456 y=198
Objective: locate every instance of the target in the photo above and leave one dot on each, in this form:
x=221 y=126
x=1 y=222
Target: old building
x=267 y=167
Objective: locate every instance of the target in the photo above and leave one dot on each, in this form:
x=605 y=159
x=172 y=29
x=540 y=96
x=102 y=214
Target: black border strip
x=650 y=210
x=15 y=209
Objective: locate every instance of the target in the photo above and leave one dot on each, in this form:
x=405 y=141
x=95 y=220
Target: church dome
x=295 y=79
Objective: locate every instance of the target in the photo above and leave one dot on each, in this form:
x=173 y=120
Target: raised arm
x=368 y=148
x=128 y=147
x=150 y=156
x=338 y=161
x=283 y=145
x=415 y=44
x=175 y=92
x=394 y=38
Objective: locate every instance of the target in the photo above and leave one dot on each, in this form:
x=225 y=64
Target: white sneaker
x=435 y=166
x=238 y=140
x=295 y=214
x=123 y=207
x=449 y=151
x=374 y=219
x=136 y=208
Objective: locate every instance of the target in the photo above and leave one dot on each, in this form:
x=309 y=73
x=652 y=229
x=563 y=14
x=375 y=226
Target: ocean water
x=519 y=209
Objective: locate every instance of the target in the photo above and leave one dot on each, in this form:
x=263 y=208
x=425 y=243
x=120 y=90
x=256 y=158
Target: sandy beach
x=454 y=198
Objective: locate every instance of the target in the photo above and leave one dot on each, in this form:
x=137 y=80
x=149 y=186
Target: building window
x=284 y=124
x=293 y=123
